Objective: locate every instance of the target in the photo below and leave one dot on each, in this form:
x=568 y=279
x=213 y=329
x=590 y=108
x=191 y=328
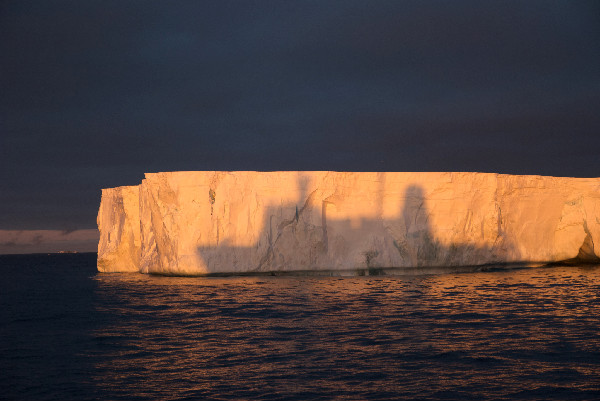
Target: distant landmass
x=237 y=222
x=48 y=241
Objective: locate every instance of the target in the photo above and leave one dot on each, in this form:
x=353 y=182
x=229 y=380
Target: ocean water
x=70 y=333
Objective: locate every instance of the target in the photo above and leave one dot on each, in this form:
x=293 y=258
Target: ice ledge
x=240 y=222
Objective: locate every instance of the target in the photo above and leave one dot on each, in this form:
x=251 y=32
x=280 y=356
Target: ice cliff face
x=194 y=223
x=119 y=217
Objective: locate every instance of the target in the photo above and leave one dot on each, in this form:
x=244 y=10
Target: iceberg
x=238 y=222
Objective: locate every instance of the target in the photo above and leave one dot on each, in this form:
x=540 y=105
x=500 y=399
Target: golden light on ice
x=226 y=222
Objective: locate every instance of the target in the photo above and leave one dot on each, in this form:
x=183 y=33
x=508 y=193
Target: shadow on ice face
x=366 y=228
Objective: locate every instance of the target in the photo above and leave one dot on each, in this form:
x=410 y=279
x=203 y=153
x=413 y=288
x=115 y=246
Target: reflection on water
x=520 y=334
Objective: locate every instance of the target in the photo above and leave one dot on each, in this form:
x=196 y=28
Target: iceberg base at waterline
x=248 y=222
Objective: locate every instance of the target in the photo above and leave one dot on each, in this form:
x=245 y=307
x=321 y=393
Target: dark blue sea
x=70 y=333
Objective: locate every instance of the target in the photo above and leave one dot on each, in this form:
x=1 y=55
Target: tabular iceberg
x=215 y=222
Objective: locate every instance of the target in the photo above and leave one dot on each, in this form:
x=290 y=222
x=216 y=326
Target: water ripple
x=520 y=334
x=523 y=334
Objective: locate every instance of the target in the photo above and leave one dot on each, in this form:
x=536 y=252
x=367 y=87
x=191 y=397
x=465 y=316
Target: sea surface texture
x=68 y=332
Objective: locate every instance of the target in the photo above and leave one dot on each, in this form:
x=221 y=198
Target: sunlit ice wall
x=208 y=222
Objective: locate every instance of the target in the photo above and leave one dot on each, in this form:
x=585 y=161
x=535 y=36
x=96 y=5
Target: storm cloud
x=96 y=93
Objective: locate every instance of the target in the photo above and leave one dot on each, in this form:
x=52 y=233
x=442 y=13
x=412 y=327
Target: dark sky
x=95 y=93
